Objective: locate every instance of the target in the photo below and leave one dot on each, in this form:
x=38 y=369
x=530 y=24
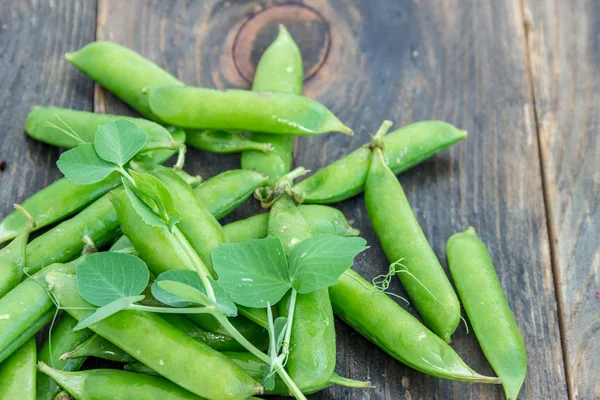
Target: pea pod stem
x=288 y=334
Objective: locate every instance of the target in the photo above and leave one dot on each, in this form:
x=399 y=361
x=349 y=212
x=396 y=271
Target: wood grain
x=34 y=35
x=563 y=39
x=405 y=60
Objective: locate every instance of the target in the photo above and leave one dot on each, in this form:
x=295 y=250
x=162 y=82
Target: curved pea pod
x=402 y=239
x=394 y=330
x=279 y=70
x=97 y=346
x=12 y=259
x=488 y=309
x=162 y=252
x=322 y=220
x=161 y=346
x=226 y=191
x=312 y=355
x=17 y=373
x=242 y=110
x=122 y=71
x=111 y=384
x=403 y=149
x=61 y=339
x=224 y=142
x=54 y=125
x=67 y=198
x=25 y=310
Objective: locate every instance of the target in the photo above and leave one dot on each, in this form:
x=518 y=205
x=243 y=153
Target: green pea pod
x=279 y=70
x=488 y=309
x=61 y=339
x=220 y=194
x=111 y=384
x=224 y=142
x=122 y=71
x=191 y=107
x=322 y=220
x=226 y=191
x=54 y=203
x=403 y=149
x=12 y=257
x=17 y=373
x=162 y=252
x=55 y=126
x=402 y=239
x=394 y=330
x=25 y=308
x=97 y=346
x=161 y=346
x=312 y=354
x=256 y=369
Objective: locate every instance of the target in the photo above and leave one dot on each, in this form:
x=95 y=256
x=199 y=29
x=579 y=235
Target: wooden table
x=520 y=76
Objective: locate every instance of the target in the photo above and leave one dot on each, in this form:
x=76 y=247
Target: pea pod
x=402 y=239
x=221 y=194
x=17 y=373
x=162 y=347
x=67 y=199
x=97 y=346
x=322 y=220
x=403 y=149
x=488 y=309
x=162 y=252
x=25 y=310
x=226 y=191
x=224 y=142
x=191 y=107
x=279 y=70
x=256 y=368
x=62 y=338
x=312 y=356
x=394 y=330
x=113 y=384
x=122 y=71
x=47 y=124
x=12 y=257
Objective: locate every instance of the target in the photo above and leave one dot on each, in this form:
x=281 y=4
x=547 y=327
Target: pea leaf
x=103 y=278
x=280 y=326
x=83 y=165
x=118 y=141
x=268 y=381
x=178 y=296
x=253 y=273
x=317 y=262
x=152 y=197
x=106 y=311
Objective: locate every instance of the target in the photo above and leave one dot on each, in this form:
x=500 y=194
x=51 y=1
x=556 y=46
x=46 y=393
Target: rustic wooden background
x=520 y=75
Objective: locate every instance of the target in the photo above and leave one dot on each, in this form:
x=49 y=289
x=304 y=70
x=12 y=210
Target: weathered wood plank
x=34 y=37
x=563 y=45
x=406 y=61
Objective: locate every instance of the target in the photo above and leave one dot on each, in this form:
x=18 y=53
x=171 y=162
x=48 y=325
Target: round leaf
x=82 y=165
x=118 y=141
x=106 y=277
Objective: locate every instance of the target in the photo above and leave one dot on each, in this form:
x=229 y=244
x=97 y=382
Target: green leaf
x=106 y=311
x=268 y=381
x=105 y=277
x=280 y=326
x=156 y=196
x=118 y=141
x=141 y=208
x=177 y=296
x=187 y=277
x=82 y=165
x=317 y=262
x=253 y=273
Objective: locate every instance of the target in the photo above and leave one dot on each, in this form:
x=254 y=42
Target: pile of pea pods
x=172 y=356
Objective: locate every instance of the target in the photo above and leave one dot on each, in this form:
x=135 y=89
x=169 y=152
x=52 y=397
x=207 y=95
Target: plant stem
x=180 y=158
x=126 y=175
x=288 y=333
x=294 y=389
x=196 y=263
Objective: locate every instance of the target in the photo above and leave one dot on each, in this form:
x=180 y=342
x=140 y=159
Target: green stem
x=168 y=310
x=196 y=263
x=288 y=333
x=385 y=126
x=180 y=158
x=294 y=389
x=126 y=175
x=240 y=338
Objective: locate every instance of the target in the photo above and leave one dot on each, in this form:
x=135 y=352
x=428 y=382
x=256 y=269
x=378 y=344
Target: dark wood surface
x=521 y=77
